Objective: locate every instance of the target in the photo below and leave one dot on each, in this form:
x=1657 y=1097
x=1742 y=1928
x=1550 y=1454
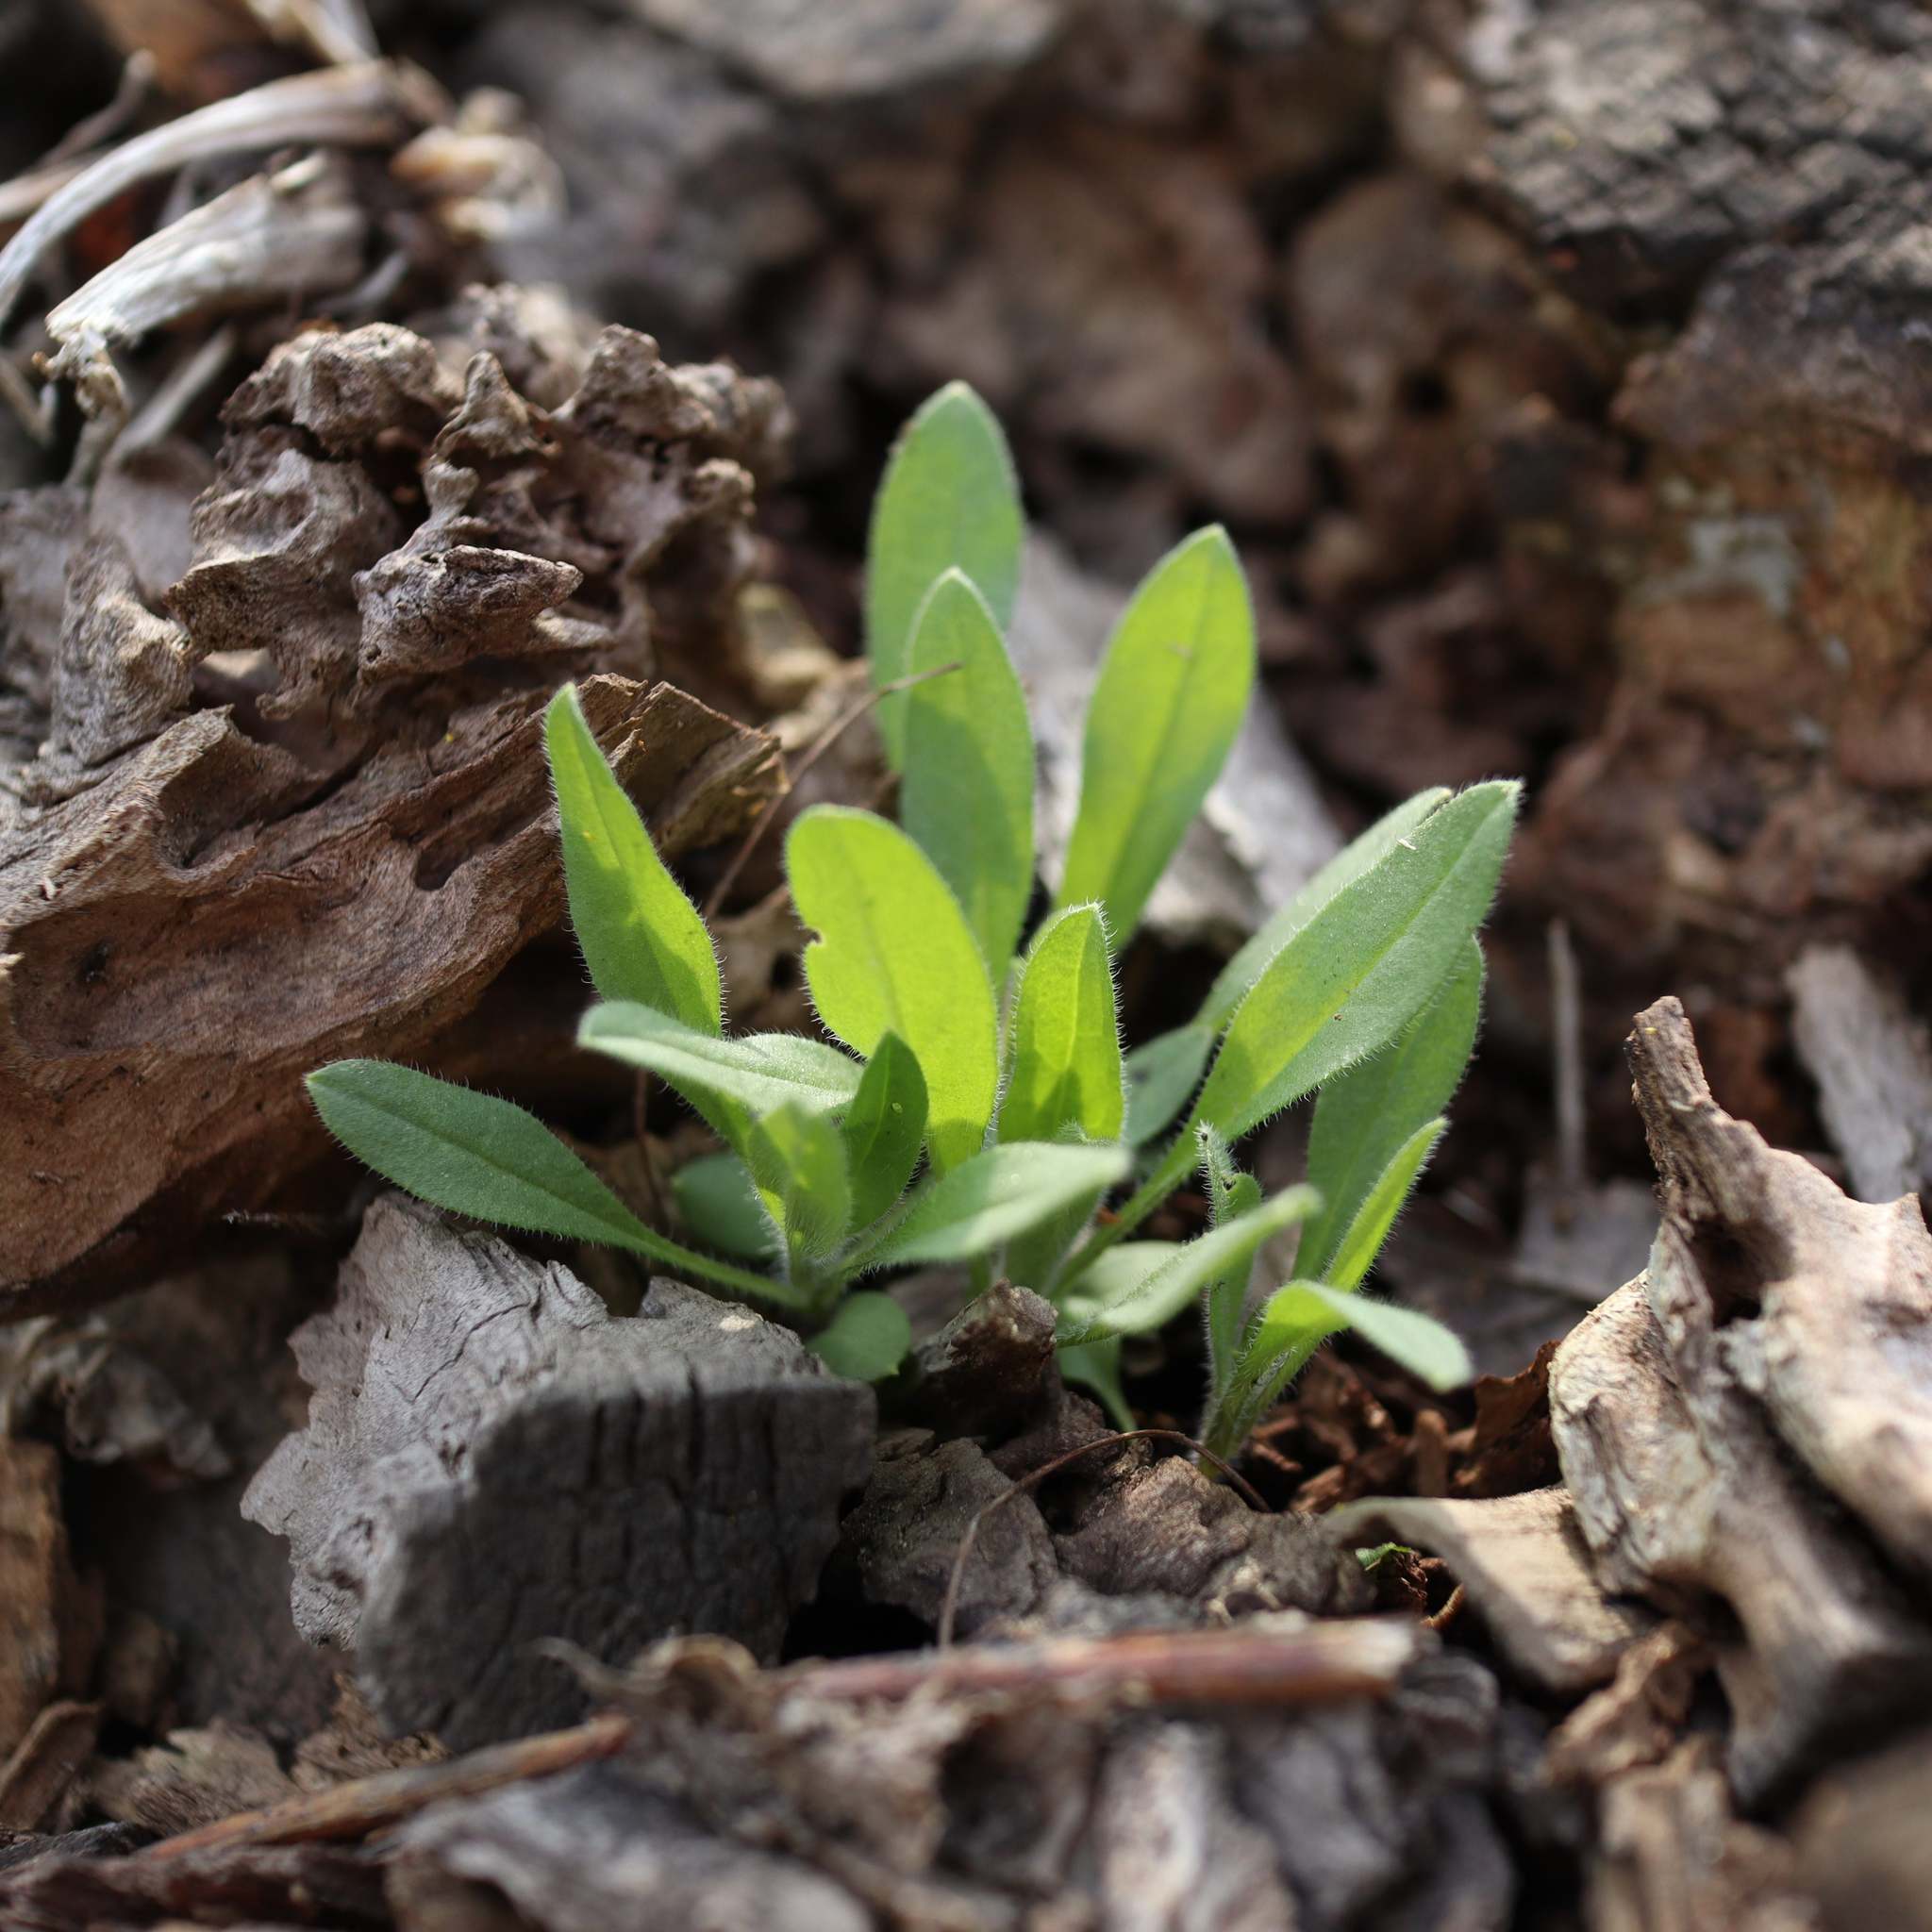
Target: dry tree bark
x=492 y=1462
x=288 y=800
x=1750 y=1422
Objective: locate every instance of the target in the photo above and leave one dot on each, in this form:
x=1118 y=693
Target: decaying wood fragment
x=280 y=793
x=1873 y=1064
x=40 y=1624
x=299 y=231
x=1672 y=1855
x=373 y=104
x=1528 y=1573
x=492 y=1460
x=1780 y=1344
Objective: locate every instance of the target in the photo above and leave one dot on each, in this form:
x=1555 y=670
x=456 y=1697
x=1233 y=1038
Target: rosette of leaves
x=972 y=1101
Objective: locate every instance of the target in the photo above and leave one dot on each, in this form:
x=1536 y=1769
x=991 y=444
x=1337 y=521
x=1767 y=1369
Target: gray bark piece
x=814 y=52
x=1263 y=830
x=1172 y=1855
x=1170 y=1529
x=492 y=1460
x=587 y=1851
x=1526 y=1570
x=1873 y=1069
x=1777 y=1342
x=904 y=1539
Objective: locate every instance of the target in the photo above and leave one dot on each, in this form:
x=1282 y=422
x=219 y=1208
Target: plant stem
x=766 y=1288
x=1172 y=1172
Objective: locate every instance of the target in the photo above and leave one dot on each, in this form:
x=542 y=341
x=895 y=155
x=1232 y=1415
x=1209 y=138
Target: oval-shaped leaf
x=1232 y=983
x=1161 y=1077
x=642 y=938
x=866 y=1340
x=1363 y=967
x=1145 y=1301
x=948 y=499
x=1066 y=1038
x=1367 y=1113
x=475 y=1154
x=797 y=1158
x=894 y=955
x=730 y=1082
x=967 y=794
x=883 y=1128
x=718 y=1202
x=465 y=1151
x=1164 y=714
x=1368 y=1227
x=995 y=1195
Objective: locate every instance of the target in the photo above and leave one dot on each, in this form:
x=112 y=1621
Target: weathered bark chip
x=492 y=1460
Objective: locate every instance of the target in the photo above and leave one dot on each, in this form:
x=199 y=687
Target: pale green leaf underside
x=1066 y=1039
x=1234 y=980
x=866 y=1340
x=1161 y=1077
x=996 y=1195
x=757 y=1074
x=948 y=500
x=1351 y=979
x=894 y=955
x=1164 y=714
x=1366 y=1112
x=642 y=938
x=1147 y=1300
x=967 y=794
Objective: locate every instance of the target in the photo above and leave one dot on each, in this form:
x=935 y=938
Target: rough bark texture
x=288 y=800
x=1748 y=1422
x=492 y=1460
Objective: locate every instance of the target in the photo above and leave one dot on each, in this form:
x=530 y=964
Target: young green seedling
x=973 y=1103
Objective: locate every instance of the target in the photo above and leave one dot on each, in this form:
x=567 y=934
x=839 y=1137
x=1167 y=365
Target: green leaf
x=894 y=955
x=948 y=499
x=718 y=1202
x=995 y=1195
x=642 y=939
x=1367 y=1113
x=1096 y=1365
x=883 y=1128
x=1136 y=1301
x=1231 y=986
x=1066 y=1039
x=967 y=794
x=753 y=1076
x=797 y=1157
x=1298 y=1318
x=1163 y=718
x=1369 y=1226
x=1294 y=1322
x=867 y=1339
x=475 y=1154
x=1161 y=1078
x=1364 y=966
